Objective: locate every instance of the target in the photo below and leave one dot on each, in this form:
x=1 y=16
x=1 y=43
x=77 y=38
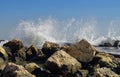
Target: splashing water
x=72 y=30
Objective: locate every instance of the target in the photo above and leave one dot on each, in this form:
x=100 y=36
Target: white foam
x=72 y=30
x=3 y=42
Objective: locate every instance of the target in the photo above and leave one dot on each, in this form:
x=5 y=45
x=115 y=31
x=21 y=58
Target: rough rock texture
x=104 y=72
x=61 y=62
x=79 y=59
x=49 y=48
x=22 y=53
x=14 y=45
x=13 y=70
x=15 y=48
x=83 y=51
x=9 y=52
x=105 y=60
x=81 y=73
x=32 y=52
x=31 y=67
x=3 y=58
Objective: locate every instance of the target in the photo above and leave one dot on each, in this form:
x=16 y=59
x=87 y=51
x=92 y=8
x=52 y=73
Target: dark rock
x=81 y=73
x=2 y=40
x=22 y=53
x=33 y=52
x=105 y=45
x=116 y=44
x=61 y=62
x=38 y=72
x=49 y=48
x=14 y=45
x=10 y=55
x=13 y=70
x=117 y=62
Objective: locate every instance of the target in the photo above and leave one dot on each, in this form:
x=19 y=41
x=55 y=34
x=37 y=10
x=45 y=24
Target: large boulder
x=14 y=45
x=104 y=72
x=61 y=62
x=49 y=48
x=3 y=58
x=15 y=48
x=13 y=70
x=82 y=51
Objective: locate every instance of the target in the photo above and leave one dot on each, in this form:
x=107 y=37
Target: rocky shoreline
x=80 y=59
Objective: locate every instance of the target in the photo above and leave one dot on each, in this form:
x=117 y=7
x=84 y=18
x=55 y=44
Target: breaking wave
x=71 y=30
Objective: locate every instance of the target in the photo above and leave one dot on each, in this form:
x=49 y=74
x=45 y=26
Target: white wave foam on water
x=70 y=31
x=3 y=42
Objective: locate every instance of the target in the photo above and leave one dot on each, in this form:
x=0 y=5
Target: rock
x=116 y=60
x=3 y=53
x=9 y=52
x=13 y=70
x=116 y=43
x=82 y=51
x=3 y=58
x=49 y=48
x=14 y=45
x=19 y=51
x=105 y=60
x=30 y=67
x=33 y=52
x=39 y=72
x=105 y=45
x=81 y=73
x=22 y=53
x=61 y=62
x=104 y=72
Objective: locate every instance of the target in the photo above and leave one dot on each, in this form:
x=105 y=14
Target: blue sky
x=13 y=11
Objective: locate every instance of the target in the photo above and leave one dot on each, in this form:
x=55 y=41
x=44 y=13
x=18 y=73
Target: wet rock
x=2 y=40
x=105 y=60
x=117 y=43
x=104 y=72
x=13 y=70
x=82 y=51
x=105 y=45
x=61 y=62
x=14 y=45
x=3 y=58
x=49 y=48
x=30 y=67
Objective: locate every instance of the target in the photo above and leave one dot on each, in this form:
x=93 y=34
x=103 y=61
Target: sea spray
x=70 y=31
